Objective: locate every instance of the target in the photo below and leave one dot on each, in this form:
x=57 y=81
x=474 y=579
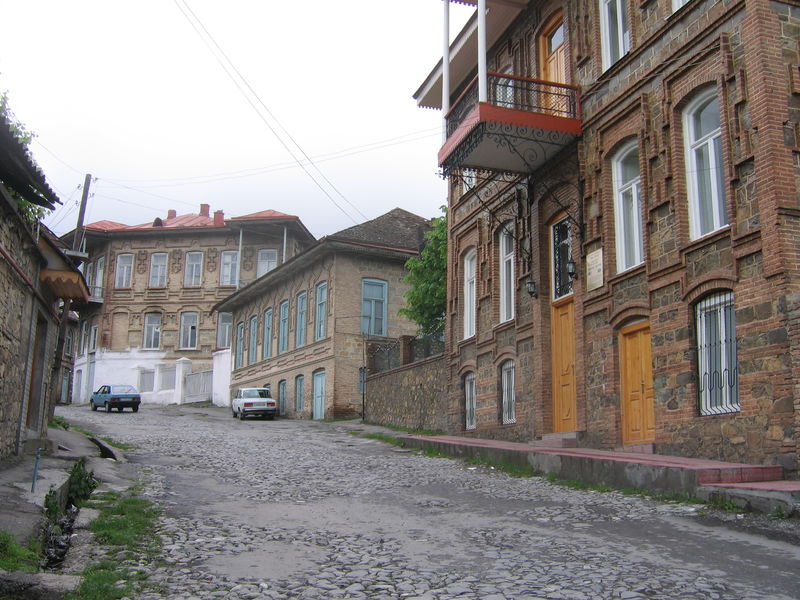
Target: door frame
x=647 y=405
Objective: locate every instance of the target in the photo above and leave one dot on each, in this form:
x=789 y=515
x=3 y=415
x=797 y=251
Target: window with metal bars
x=469 y=401
x=562 y=254
x=717 y=363
x=507 y=386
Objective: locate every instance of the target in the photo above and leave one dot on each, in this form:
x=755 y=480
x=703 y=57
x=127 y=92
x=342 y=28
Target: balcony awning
x=464 y=50
x=67 y=285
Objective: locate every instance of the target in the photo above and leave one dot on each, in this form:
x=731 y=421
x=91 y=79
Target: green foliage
x=126 y=521
x=81 y=482
x=14 y=557
x=512 y=469
x=52 y=507
x=58 y=422
x=30 y=212
x=385 y=437
x=427 y=276
x=104 y=581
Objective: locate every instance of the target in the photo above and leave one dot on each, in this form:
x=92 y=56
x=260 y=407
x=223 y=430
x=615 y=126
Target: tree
x=427 y=275
x=29 y=211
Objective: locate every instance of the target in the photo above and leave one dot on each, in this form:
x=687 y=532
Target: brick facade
x=743 y=55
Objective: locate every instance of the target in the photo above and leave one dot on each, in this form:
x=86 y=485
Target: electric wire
x=261 y=116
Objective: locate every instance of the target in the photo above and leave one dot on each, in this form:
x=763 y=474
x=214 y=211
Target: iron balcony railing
x=518 y=93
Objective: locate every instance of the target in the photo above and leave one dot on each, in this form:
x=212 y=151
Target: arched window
x=507 y=392
x=704 y=175
x=628 y=208
x=470 y=397
x=470 y=298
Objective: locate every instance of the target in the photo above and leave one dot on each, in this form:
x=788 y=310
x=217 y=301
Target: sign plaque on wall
x=594 y=269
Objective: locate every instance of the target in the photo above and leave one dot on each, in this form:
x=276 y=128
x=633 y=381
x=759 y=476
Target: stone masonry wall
x=413 y=396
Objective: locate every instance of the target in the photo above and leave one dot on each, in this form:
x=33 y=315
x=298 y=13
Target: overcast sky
x=129 y=92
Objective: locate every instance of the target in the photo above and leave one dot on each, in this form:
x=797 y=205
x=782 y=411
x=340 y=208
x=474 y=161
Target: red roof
x=105 y=226
x=264 y=214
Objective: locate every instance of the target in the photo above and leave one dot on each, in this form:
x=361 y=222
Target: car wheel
x=241 y=415
x=93 y=405
x=108 y=407
x=119 y=409
x=270 y=417
x=135 y=409
x=233 y=413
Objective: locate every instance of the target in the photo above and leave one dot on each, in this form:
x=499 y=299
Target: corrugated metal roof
x=20 y=173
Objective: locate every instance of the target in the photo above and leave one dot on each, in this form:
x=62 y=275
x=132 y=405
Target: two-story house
x=623 y=217
x=153 y=285
x=301 y=328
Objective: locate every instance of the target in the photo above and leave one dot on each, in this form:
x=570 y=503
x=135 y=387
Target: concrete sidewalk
x=752 y=487
x=22 y=510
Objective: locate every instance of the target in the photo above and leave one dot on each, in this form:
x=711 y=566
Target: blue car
x=117 y=396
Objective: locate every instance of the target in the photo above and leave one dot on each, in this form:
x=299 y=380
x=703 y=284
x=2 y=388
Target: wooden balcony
x=525 y=123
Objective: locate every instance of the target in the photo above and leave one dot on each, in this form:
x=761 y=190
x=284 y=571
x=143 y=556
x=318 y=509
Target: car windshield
x=259 y=393
x=123 y=389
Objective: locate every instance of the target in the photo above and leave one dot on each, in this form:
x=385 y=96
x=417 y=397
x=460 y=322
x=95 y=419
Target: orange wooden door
x=636 y=378
x=563 y=348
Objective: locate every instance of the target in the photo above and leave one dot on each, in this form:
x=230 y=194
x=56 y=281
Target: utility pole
x=77 y=240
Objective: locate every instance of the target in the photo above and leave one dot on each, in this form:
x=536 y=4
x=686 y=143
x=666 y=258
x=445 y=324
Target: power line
x=258 y=112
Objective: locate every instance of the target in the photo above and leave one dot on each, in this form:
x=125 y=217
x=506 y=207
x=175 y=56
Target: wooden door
x=636 y=380
x=553 y=64
x=563 y=349
x=562 y=325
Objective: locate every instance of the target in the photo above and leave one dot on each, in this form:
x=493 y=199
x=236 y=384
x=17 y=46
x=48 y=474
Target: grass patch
x=107 y=440
x=127 y=521
x=385 y=437
x=104 y=581
x=431 y=452
x=58 y=422
x=14 y=557
x=413 y=431
x=509 y=468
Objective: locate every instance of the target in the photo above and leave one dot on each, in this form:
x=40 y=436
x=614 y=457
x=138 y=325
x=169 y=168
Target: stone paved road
x=297 y=509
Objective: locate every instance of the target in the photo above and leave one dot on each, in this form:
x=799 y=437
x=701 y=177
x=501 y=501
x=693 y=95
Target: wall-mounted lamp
x=572 y=269
x=530 y=287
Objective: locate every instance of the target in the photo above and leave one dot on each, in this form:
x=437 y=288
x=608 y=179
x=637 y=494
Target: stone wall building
x=624 y=217
x=153 y=285
x=300 y=329
x=35 y=277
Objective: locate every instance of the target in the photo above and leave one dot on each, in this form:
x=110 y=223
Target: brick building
x=301 y=328
x=153 y=285
x=35 y=276
x=624 y=265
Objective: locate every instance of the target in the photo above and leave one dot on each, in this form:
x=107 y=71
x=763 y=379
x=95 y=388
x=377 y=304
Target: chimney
x=204 y=210
x=171 y=214
x=219 y=218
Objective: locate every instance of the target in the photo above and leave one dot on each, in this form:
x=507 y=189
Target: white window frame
x=158 y=270
x=224 y=326
x=469 y=179
x=470 y=401
x=266 y=261
x=624 y=220
x=507 y=272
x=613 y=52
x=711 y=143
x=678 y=4
x=508 y=395
x=266 y=344
x=301 y=307
x=229 y=267
x=193 y=274
x=717 y=360
x=188 y=331
x=252 y=344
x=152 y=331
x=371 y=305
x=93 y=338
x=123 y=274
x=238 y=353
x=283 y=327
x=83 y=338
x=470 y=296
x=321 y=320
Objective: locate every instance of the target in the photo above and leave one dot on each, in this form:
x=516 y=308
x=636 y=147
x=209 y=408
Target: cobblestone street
x=298 y=509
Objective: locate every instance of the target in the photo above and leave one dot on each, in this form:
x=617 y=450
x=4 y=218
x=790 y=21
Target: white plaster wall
x=221 y=364
x=117 y=367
